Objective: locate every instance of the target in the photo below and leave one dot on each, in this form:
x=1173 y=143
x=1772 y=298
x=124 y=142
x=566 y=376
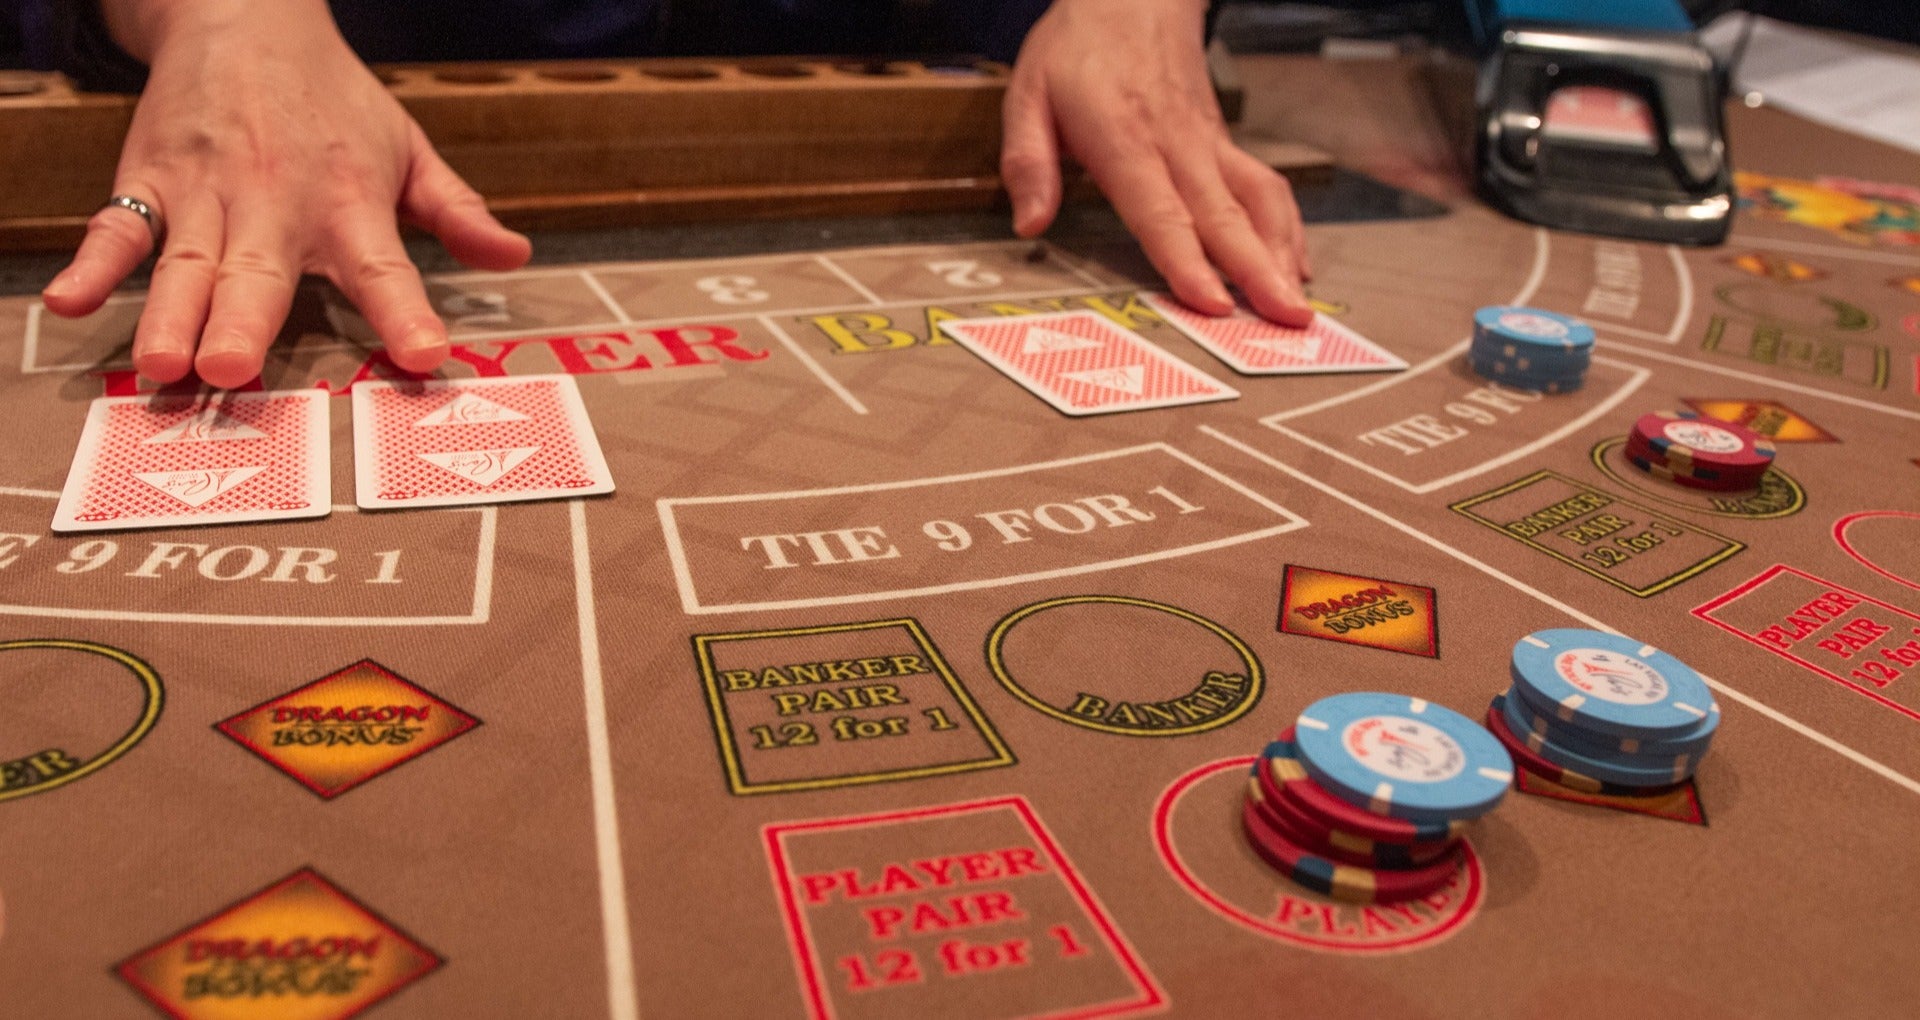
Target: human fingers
x=252 y=292
x=438 y=201
x=371 y=267
x=1266 y=275
x=1030 y=155
x=117 y=240
x=1142 y=192
x=180 y=291
x=1268 y=198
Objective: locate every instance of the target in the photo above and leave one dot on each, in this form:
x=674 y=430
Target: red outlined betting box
x=968 y=908
x=1855 y=640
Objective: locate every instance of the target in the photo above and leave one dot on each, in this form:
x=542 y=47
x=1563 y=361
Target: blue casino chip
x=1529 y=721
x=1609 y=684
x=1493 y=362
x=1616 y=767
x=1509 y=373
x=1535 y=385
x=1402 y=757
x=1532 y=328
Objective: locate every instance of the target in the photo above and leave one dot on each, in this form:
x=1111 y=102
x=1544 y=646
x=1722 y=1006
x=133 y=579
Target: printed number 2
x=964 y=273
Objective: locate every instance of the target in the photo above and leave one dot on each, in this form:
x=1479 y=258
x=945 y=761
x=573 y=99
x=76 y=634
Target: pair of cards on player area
x=226 y=457
x=1082 y=363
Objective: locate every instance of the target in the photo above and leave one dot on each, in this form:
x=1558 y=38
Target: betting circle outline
x=151 y=688
x=1773 y=476
x=996 y=640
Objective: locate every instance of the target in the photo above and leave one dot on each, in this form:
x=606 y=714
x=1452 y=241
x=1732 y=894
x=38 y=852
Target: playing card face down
x=1084 y=364
x=1251 y=345
x=467 y=441
x=163 y=461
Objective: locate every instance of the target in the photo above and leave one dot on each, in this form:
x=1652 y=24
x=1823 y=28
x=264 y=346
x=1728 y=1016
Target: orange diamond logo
x=1770 y=418
x=299 y=949
x=1774 y=267
x=1681 y=804
x=1390 y=615
x=347 y=727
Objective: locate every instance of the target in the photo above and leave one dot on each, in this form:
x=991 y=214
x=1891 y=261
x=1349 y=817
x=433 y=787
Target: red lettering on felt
x=576 y=358
x=924 y=873
x=720 y=339
x=942 y=915
x=484 y=367
x=1022 y=860
x=936 y=869
x=1292 y=910
x=1814 y=614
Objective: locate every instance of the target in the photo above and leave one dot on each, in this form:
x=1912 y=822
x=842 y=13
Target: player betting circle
x=1209 y=859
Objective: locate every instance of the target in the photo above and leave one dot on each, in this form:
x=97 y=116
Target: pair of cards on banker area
x=1083 y=363
x=227 y=457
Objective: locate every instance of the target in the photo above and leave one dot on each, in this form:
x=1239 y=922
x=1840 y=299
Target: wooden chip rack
x=603 y=143
x=568 y=144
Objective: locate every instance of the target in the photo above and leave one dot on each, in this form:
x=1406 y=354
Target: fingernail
x=61 y=286
x=420 y=340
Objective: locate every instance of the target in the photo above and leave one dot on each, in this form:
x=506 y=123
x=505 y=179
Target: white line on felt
x=622 y=993
x=1683 y=274
x=1628 y=388
x=819 y=371
x=30 y=340
x=677 y=557
x=482 y=590
x=1909 y=783
x=1072 y=262
x=1535 y=277
x=847 y=278
x=606 y=298
x=1704 y=366
x=690 y=600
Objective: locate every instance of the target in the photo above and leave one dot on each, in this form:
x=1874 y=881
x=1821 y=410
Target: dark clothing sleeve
x=69 y=35
x=74 y=39
x=382 y=30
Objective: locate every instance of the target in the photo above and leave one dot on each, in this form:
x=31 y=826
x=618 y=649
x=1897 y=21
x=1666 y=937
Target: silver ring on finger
x=140 y=209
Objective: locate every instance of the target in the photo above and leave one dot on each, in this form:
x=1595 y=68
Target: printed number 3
x=732 y=290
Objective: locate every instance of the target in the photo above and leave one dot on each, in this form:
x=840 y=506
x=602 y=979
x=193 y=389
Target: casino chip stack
x=1531 y=349
x=1365 y=797
x=1600 y=713
x=1701 y=453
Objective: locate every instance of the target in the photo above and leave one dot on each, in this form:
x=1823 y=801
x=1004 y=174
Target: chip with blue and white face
x=1403 y=757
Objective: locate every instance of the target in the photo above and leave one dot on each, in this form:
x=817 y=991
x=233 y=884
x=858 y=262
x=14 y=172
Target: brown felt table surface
x=563 y=759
